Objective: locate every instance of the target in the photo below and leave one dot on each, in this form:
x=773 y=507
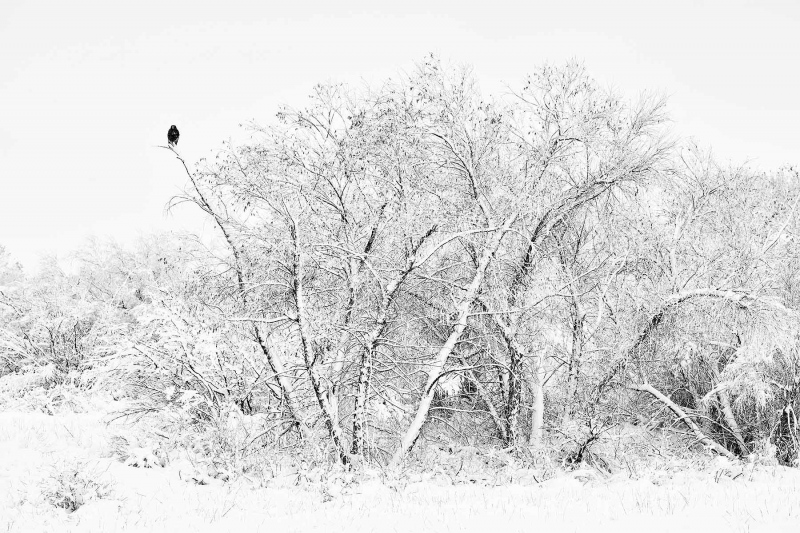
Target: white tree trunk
x=328 y=416
x=276 y=364
x=362 y=389
x=463 y=308
x=681 y=414
x=484 y=396
x=537 y=413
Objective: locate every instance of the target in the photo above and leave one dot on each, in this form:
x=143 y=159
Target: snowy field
x=45 y=459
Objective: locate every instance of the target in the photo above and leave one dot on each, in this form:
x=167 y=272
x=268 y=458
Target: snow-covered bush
x=72 y=486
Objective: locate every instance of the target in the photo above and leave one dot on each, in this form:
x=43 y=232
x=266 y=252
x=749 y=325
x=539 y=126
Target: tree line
x=415 y=260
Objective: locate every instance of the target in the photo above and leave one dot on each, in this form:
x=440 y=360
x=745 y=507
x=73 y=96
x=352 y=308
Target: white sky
x=89 y=88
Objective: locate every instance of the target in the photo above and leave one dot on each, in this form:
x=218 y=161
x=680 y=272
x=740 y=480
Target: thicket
x=415 y=264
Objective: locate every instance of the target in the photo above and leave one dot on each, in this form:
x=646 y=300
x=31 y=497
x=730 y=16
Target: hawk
x=172 y=135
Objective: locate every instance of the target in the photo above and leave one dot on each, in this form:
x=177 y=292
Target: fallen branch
x=681 y=414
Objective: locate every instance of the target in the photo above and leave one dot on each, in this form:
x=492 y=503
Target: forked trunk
x=435 y=370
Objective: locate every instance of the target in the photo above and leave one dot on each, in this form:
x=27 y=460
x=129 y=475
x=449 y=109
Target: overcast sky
x=89 y=88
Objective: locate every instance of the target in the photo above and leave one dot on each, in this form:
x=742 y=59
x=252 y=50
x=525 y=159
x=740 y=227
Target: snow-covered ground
x=43 y=457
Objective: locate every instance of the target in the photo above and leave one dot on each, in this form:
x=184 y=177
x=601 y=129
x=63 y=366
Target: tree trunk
x=511 y=383
x=514 y=397
x=730 y=420
x=274 y=360
x=355 y=265
x=484 y=396
x=681 y=414
x=537 y=413
x=463 y=308
x=360 y=411
x=334 y=430
x=365 y=371
x=727 y=412
x=576 y=352
x=276 y=364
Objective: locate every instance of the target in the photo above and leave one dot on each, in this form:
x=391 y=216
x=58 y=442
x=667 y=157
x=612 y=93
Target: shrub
x=72 y=487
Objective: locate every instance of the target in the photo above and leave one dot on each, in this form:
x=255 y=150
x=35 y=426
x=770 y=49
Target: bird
x=172 y=135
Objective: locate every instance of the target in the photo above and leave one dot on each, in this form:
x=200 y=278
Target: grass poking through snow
x=56 y=474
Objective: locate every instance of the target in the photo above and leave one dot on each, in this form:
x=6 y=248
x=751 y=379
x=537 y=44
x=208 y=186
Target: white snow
x=36 y=448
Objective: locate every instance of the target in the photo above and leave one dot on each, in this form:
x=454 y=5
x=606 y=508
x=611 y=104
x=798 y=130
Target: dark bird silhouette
x=172 y=135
